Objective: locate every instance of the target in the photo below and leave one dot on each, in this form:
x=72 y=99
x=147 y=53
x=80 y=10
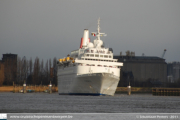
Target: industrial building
x=8 y=69
x=142 y=71
x=173 y=71
x=1 y=72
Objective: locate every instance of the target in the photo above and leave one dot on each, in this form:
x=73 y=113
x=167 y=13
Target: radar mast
x=98 y=34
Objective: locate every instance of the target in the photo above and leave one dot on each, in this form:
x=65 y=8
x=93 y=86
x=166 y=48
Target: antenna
x=98 y=34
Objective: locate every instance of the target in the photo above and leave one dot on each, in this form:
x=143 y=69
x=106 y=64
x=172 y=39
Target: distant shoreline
x=118 y=90
x=18 y=88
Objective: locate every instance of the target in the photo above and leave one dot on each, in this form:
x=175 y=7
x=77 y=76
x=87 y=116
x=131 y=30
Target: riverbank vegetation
x=29 y=72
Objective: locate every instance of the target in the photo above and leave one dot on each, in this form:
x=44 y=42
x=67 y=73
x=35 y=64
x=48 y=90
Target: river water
x=54 y=103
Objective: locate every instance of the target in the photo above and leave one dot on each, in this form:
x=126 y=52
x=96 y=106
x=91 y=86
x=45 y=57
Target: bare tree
x=49 y=76
x=42 y=71
x=30 y=66
x=46 y=73
x=30 y=71
x=23 y=70
x=19 y=69
x=55 y=71
x=36 y=71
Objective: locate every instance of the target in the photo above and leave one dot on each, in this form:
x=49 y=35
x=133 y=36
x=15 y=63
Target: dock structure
x=34 y=88
x=166 y=91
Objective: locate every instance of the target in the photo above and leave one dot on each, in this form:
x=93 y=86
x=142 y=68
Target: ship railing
x=100 y=51
x=98 y=65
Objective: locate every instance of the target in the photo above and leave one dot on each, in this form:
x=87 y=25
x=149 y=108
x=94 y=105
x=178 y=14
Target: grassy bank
x=35 y=88
x=42 y=88
x=55 y=89
x=6 y=88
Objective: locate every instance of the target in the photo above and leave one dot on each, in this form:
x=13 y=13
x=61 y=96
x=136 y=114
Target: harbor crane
x=163 y=53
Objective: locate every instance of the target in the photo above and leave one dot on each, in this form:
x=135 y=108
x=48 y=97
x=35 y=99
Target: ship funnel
x=85 y=38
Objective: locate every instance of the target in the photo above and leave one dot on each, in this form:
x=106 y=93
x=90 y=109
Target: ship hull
x=71 y=83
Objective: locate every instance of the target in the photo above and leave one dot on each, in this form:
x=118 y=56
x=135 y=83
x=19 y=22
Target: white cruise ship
x=90 y=70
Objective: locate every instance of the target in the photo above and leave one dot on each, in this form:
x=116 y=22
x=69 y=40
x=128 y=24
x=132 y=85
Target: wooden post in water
x=50 y=88
x=129 y=89
x=24 y=87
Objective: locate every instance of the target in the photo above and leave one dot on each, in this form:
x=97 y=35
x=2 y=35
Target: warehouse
x=142 y=71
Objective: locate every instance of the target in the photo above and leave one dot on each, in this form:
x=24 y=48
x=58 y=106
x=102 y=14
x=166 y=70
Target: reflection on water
x=120 y=103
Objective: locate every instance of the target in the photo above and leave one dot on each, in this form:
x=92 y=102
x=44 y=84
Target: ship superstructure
x=90 y=70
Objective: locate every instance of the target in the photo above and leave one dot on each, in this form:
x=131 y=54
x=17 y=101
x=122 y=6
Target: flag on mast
x=93 y=34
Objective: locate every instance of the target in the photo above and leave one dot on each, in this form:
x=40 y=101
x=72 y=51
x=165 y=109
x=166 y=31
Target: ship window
x=105 y=56
x=109 y=56
x=101 y=55
x=86 y=55
x=92 y=55
x=92 y=51
x=96 y=55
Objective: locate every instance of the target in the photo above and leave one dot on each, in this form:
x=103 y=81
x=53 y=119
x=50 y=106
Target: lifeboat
x=72 y=60
x=60 y=60
x=68 y=59
x=64 y=60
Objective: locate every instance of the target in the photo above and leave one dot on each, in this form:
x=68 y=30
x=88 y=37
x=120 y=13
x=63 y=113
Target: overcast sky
x=53 y=28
